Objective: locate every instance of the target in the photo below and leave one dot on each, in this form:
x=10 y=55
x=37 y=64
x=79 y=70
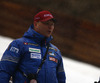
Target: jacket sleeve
x=9 y=62
x=60 y=71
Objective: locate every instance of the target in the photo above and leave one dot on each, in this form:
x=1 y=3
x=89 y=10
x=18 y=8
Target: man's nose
x=50 y=26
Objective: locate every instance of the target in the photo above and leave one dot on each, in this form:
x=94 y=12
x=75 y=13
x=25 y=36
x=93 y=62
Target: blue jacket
x=25 y=54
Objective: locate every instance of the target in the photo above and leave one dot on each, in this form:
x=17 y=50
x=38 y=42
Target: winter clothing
x=25 y=54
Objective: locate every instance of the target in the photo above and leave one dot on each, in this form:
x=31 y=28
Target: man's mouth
x=49 y=31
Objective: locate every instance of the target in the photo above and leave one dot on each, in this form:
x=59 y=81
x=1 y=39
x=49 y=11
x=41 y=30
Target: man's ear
x=35 y=26
x=35 y=23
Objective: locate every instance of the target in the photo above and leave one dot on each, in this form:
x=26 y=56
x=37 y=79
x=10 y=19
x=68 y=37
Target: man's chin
x=47 y=35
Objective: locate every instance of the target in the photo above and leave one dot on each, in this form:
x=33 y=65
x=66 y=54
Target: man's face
x=44 y=28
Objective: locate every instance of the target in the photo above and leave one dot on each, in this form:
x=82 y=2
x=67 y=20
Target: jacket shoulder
x=18 y=41
x=53 y=46
x=56 y=49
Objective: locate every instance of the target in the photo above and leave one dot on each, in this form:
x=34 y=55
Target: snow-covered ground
x=76 y=72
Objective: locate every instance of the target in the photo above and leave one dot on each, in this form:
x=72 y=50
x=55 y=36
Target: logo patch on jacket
x=14 y=49
x=35 y=56
x=25 y=43
x=51 y=53
x=34 y=50
x=53 y=59
x=52 y=48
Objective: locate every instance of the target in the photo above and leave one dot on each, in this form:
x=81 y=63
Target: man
x=23 y=57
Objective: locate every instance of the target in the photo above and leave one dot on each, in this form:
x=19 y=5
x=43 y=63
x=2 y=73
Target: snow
x=76 y=72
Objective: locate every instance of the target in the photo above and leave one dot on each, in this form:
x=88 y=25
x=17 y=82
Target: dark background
x=77 y=31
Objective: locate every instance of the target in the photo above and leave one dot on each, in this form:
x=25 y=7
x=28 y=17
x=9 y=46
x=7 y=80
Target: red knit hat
x=43 y=16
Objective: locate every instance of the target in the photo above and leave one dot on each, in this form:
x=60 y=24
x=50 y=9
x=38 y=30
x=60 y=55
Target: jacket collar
x=38 y=38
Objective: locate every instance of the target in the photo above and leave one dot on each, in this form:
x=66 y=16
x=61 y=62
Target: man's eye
x=48 y=23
